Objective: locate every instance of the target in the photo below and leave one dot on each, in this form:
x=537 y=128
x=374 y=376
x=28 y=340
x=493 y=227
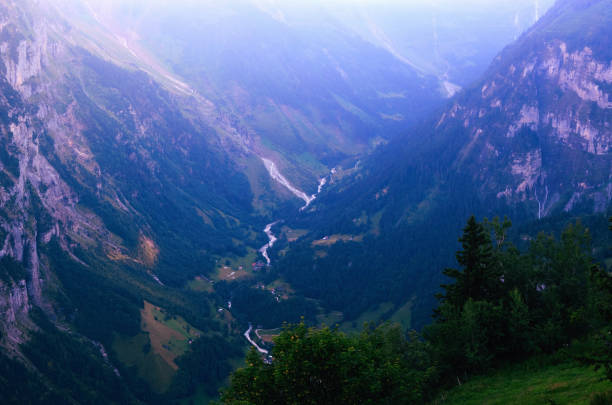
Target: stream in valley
x=278 y=176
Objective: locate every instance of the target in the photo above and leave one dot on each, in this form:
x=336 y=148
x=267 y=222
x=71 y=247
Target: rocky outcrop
x=36 y=202
x=539 y=127
x=14 y=310
x=581 y=73
x=84 y=141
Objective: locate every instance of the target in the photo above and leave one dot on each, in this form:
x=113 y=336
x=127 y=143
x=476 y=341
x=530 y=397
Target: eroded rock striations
x=538 y=127
x=87 y=149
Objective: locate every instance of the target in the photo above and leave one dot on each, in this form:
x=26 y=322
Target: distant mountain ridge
x=120 y=185
x=318 y=89
x=531 y=140
x=309 y=95
x=546 y=95
x=542 y=118
x=137 y=172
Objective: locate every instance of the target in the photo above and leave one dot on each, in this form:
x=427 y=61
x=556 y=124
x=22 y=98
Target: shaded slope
x=311 y=92
x=531 y=139
x=112 y=193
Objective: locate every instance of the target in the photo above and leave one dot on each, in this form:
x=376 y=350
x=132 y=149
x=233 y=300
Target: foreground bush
x=325 y=366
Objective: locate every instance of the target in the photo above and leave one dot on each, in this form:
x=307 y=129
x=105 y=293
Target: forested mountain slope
x=531 y=139
x=310 y=92
x=111 y=193
x=137 y=172
x=122 y=188
x=542 y=316
x=316 y=81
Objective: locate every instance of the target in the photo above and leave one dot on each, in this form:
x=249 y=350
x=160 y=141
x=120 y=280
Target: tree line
x=501 y=305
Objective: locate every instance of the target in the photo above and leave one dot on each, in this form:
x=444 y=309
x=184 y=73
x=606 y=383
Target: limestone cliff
x=100 y=158
x=538 y=126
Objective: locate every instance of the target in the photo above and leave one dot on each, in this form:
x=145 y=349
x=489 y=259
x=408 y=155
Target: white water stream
x=278 y=176
x=271 y=241
x=247 y=335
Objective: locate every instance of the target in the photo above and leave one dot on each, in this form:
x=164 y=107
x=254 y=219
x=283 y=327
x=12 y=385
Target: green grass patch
x=170 y=334
x=227 y=273
x=372 y=315
x=268 y=335
x=240 y=266
x=258 y=180
x=567 y=383
x=200 y=284
x=330 y=319
x=281 y=288
x=353 y=109
x=150 y=366
x=293 y=234
x=403 y=316
x=333 y=239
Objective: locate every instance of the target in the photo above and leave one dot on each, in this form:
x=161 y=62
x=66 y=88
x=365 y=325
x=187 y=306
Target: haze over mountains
x=530 y=139
x=146 y=145
x=323 y=82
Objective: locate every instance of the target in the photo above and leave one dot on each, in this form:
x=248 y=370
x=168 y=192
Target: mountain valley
x=178 y=183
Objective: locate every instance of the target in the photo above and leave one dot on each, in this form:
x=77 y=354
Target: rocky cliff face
x=35 y=201
x=538 y=128
x=531 y=139
x=97 y=157
x=14 y=310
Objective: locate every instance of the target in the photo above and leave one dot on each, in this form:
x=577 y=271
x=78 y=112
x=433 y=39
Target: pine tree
x=479 y=277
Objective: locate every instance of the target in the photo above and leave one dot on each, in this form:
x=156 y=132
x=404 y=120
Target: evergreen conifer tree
x=479 y=276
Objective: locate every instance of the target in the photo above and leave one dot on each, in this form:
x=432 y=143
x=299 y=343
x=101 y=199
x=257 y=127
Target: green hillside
x=532 y=384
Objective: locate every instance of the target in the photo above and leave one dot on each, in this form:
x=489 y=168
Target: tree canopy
x=325 y=366
x=501 y=305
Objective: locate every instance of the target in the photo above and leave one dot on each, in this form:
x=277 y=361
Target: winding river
x=271 y=241
x=247 y=335
x=278 y=176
